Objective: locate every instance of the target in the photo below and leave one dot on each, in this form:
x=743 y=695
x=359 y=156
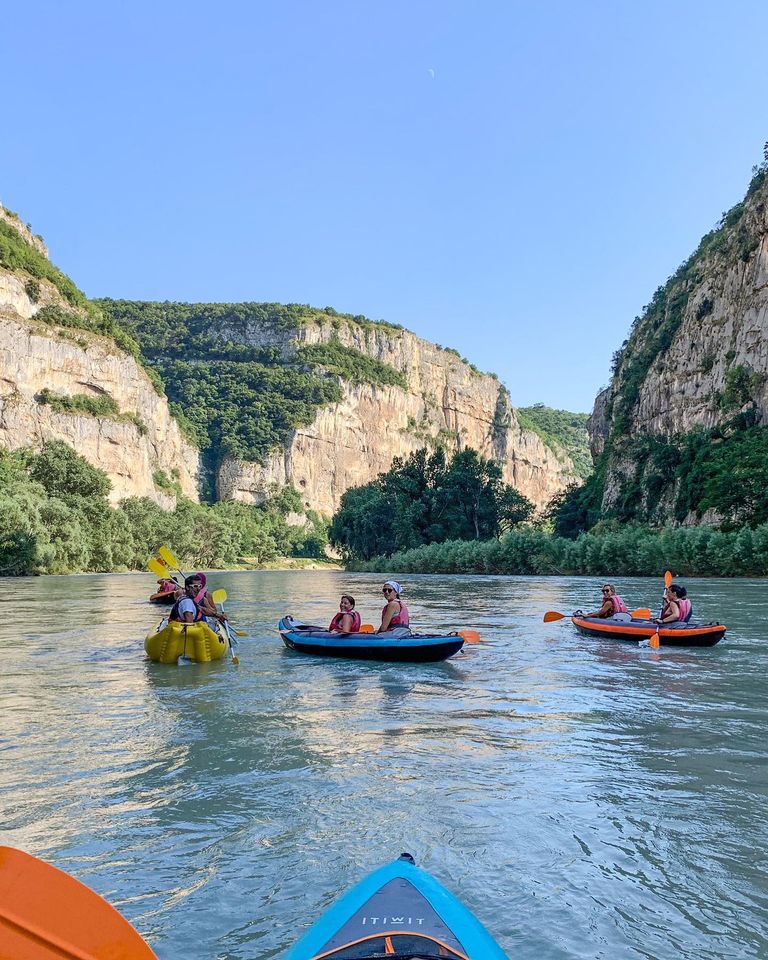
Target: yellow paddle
x=47 y=915
x=219 y=596
x=169 y=557
x=154 y=566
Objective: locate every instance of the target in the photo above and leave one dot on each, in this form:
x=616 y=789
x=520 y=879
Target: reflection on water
x=585 y=798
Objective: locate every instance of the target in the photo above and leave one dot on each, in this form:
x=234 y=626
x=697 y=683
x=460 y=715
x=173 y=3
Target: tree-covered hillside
x=562 y=431
x=234 y=399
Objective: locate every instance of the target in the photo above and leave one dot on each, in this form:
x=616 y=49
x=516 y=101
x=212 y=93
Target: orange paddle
x=642 y=613
x=470 y=636
x=47 y=915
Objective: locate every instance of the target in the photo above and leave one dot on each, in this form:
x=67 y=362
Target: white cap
x=395 y=585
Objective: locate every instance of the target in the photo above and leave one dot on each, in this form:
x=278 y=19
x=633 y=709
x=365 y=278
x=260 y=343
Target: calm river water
x=584 y=798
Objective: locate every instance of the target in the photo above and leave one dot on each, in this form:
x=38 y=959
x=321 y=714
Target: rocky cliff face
x=699 y=354
x=131 y=446
x=349 y=443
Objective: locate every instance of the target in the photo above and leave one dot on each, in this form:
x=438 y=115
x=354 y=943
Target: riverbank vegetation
x=427 y=498
x=629 y=551
x=55 y=518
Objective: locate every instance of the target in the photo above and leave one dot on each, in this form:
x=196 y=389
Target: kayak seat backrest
x=395 y=945
x=621 y=617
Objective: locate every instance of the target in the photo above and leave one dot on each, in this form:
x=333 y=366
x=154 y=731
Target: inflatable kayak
x=397 y=911
x=623 y=627
x=163 y=596
x=195 y=641
x=394 y=645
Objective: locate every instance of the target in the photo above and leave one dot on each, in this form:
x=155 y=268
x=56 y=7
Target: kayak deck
x=397 y=911
x=399 y=645
x=624 y=627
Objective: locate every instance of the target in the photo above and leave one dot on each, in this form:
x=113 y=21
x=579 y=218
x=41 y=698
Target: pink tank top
x=618 y=605
x=400 y=619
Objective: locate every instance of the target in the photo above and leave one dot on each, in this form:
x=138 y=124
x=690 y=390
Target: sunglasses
x=387 y=590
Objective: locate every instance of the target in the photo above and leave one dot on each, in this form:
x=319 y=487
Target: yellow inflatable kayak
x=195 y=641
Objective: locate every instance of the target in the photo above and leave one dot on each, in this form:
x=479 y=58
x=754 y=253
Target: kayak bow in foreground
x=397 y=911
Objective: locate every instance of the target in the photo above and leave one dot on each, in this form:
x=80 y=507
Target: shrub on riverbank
x=55 y=518
x=630 y=551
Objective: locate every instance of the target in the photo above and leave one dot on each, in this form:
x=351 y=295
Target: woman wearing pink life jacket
x=612 y=603
x=394 y=612
x=677 y=607
x=347 y=620
x=203 y=599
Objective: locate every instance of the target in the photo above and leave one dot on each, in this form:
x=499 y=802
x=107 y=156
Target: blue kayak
x=397 y=911
x=394 y=645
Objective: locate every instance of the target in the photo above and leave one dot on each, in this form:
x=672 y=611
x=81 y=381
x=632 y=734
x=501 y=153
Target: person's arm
x=209 y=609
x=386 y=618
x=673 y=613
x=346 y=624
x=605 y=611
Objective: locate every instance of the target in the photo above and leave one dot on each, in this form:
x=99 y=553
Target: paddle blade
x=169 y=556
x=154 y=566
x=367 y=628
x=642 y=613
x=668 y=578
x=240 y=633
x=470 y=636
x=552 y=615
x=219 y=596
x=654 y=641
x=47 y=915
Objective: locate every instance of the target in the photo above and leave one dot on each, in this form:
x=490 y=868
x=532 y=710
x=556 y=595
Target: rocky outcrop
x=130 y=447
x=699 y=354
x=349 y=443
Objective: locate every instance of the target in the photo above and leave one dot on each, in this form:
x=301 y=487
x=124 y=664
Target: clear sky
x=512 y=179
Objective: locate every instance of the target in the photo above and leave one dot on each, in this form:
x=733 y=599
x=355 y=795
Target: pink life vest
x=401 y=619
x=336 y=622
x=685 y=607
x=618 y=605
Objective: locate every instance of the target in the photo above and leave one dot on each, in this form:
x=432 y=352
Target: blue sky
x=510 y=179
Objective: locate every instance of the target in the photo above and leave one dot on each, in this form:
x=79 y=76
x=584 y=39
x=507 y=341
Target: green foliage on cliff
x=427 y=498
x=16 y=255
x=243 y=399
x=80 y=404
x=245 y=409
x=562 y=432
x=724 y=469
x=351 y=365
x=734 y=238
x=629 y=551
x=55 y=518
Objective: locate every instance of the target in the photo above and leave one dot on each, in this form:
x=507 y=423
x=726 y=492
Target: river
x=584 y=798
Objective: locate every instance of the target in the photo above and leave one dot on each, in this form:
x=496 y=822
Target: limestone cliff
x=137 y=443
x=697 y=358
x=445 y=400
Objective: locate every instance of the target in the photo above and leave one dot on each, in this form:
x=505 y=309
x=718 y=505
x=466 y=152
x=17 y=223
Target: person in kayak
x=677 y=607
x=394 y=613
x=612 y=603
x=204 y=600
x=347 y=620
x=167 y=585
x=186 y=609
